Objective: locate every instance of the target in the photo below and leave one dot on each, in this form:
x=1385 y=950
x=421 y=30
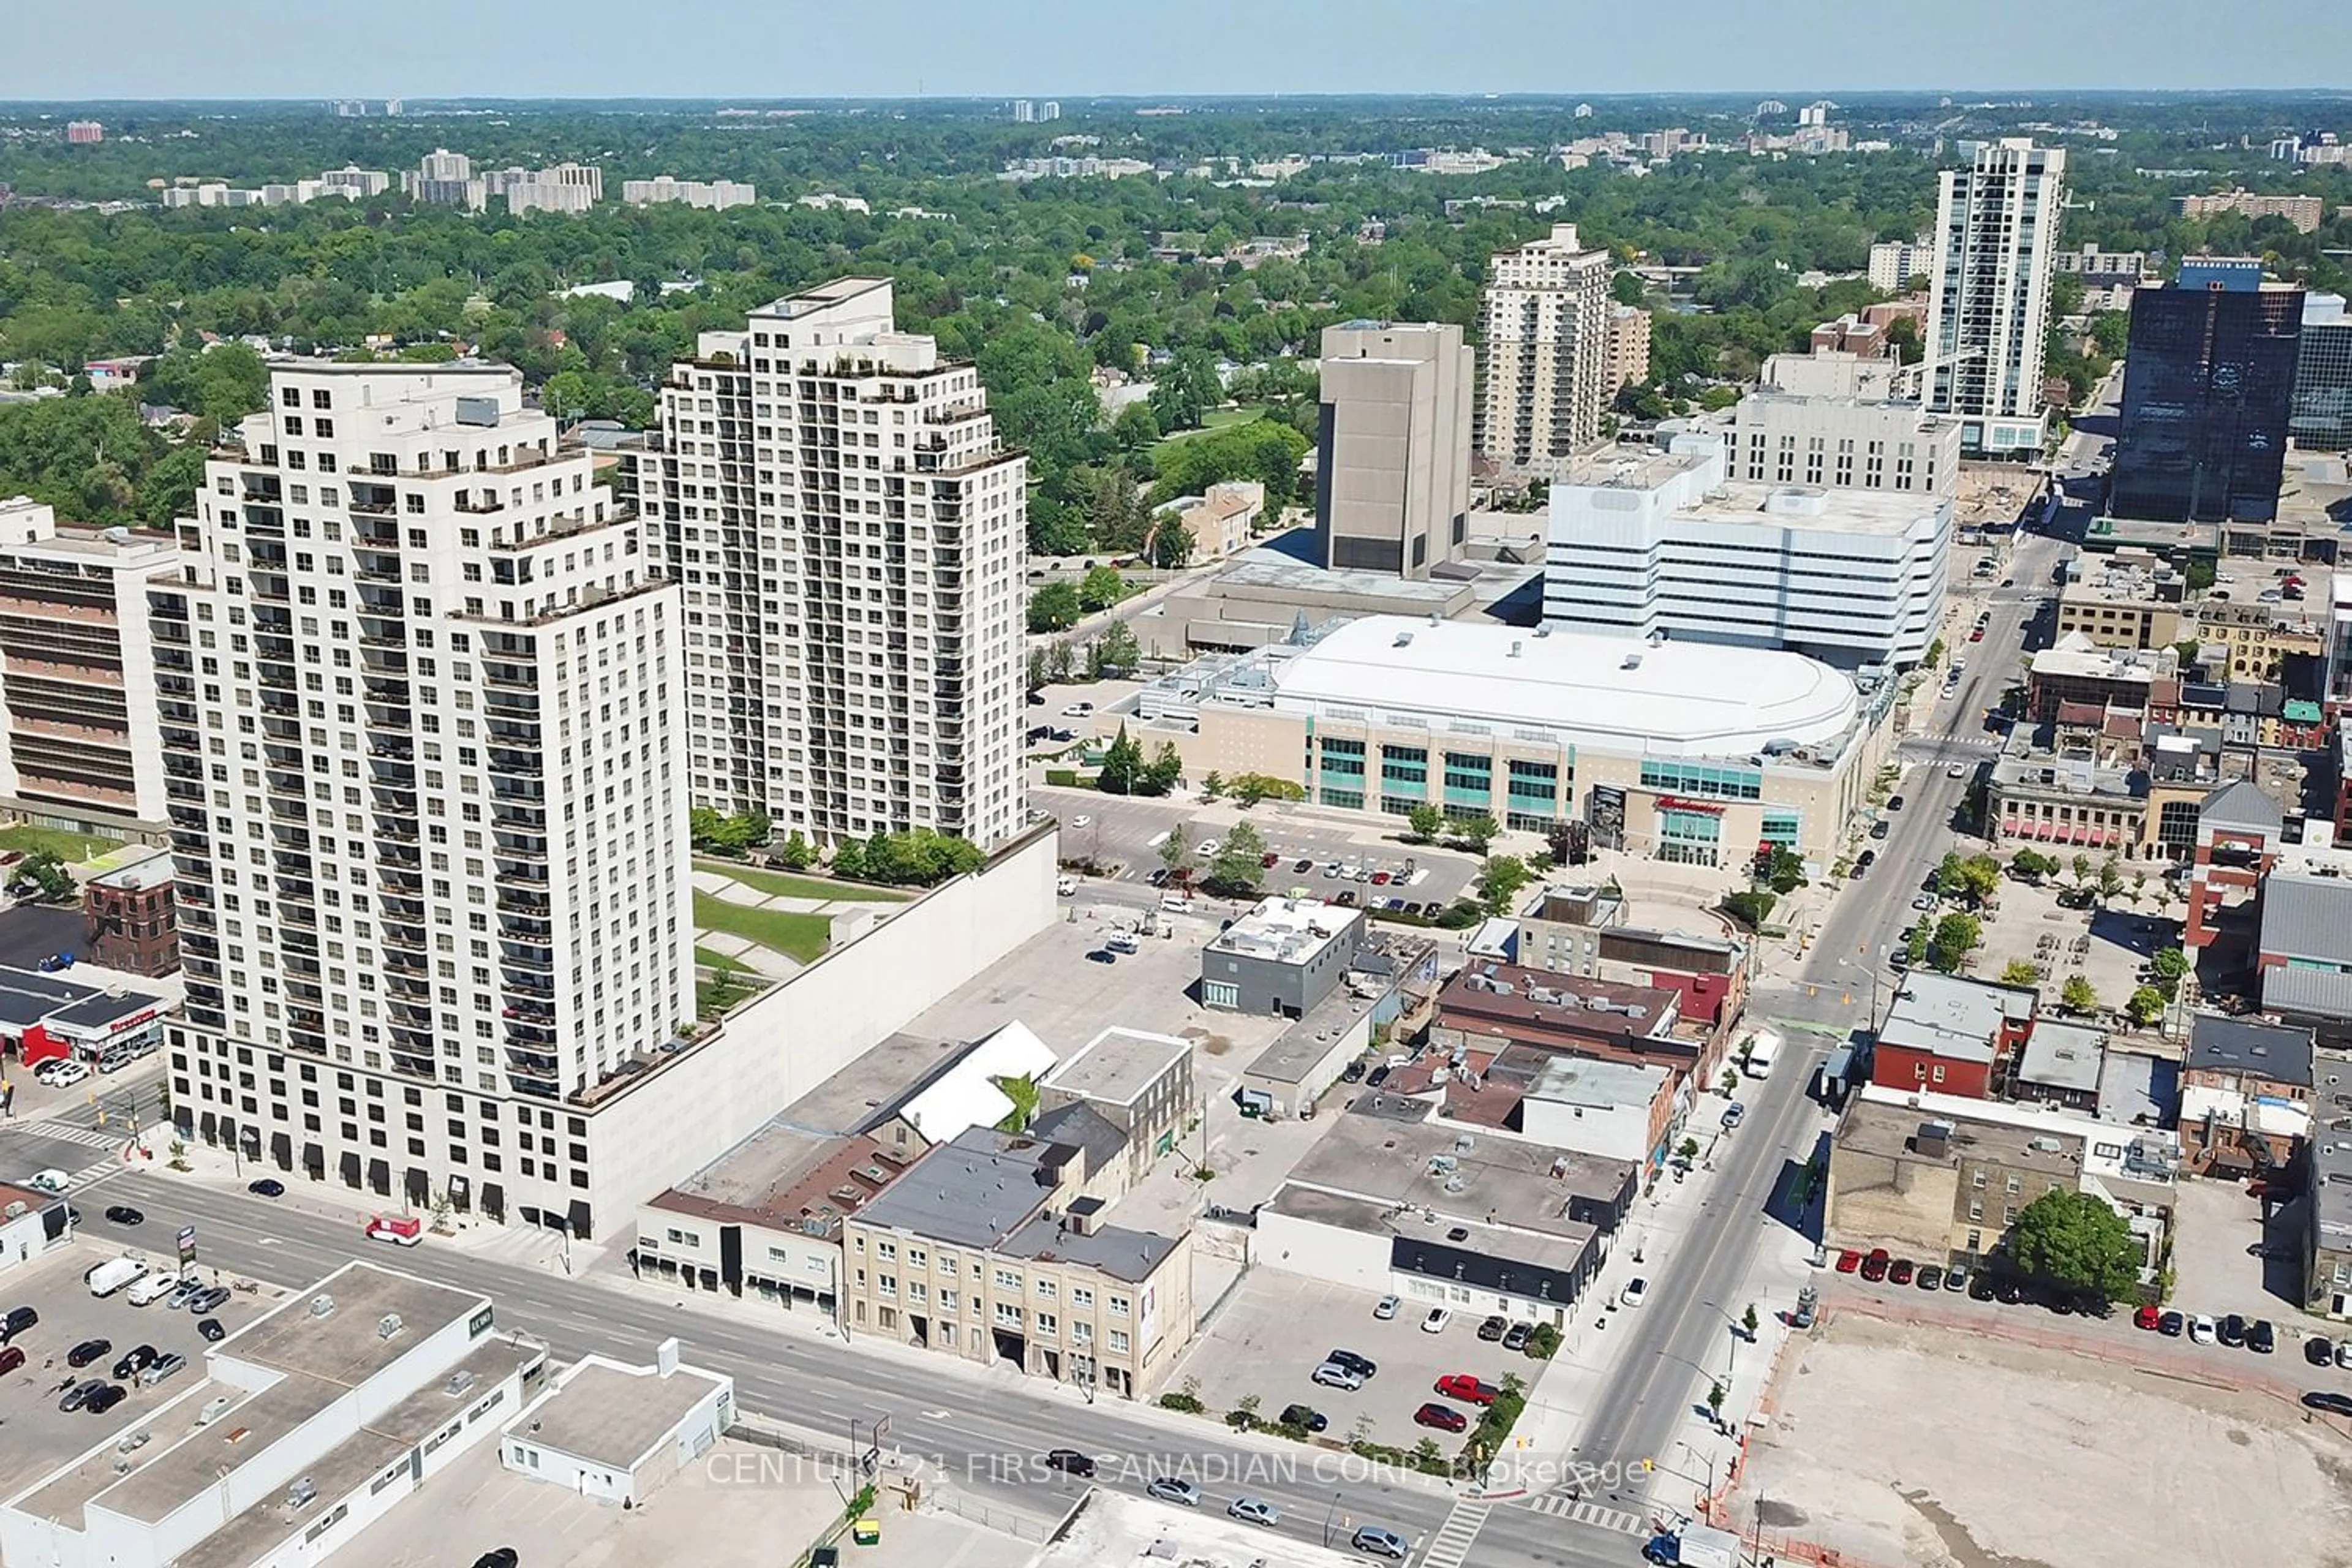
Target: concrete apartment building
x=1392 y=465
x=983 y=1250
x=2304 y=212
x=426 y=797
x=1895 y=262
x=1988 y=303
x=1628 y=347
x=334 y=1405
x=1830 y=419
x=1543 y=373
x=443 y=178
x=559 y=188
x=1283 y=956
x=79 y=743
x=1645 y=544
x=850 y=537
x=716 y=195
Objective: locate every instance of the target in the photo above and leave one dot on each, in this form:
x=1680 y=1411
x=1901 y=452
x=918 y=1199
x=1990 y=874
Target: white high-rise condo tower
x=420 y=700
x=851 y=538
x=1988 y=305
x=1543 y=373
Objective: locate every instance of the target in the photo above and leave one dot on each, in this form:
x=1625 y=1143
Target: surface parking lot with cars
x=35 y=1433
x=1277 y=1328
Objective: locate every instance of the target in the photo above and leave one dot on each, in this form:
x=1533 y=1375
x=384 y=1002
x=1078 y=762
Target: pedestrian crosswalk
x=1450 y=1546
x=1565 y=1506
x=65 y=1132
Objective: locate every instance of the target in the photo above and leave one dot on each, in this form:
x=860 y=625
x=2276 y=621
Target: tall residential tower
x=851 y=538
x=1544 y=348
x=1988 y=302
x=421 y=694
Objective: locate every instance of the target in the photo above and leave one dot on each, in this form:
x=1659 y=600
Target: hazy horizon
x=305 y=50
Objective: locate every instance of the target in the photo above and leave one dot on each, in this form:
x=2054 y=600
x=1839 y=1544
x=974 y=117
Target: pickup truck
x=1694 y=1546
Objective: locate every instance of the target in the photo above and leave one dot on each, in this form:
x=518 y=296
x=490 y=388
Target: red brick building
x=1950 y=1035
x=129 y=918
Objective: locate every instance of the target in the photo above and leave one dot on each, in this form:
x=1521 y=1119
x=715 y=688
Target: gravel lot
x=1898 y=1445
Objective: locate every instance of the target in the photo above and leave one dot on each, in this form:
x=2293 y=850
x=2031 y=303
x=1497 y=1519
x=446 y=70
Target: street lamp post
x=1328 y=1517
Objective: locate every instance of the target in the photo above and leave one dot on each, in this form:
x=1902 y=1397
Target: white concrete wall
x=784 y=1044
x=1322 y=1252
x=1610 y=1132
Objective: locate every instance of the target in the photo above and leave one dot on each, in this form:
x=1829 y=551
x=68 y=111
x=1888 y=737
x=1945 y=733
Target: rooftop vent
x=321 y=1304
x=302 y=1494
x=458 y=1382
x=1403 y=639
x=1633 y=661
x=388 y=1326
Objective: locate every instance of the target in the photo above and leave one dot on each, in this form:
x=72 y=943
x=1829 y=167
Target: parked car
x=1376 y=1542
x=2261 y=1338
x=1493 y=1329
x=1955 y=1277
x=1435 y=1322
x=498 y=1557
x=1306 y=1417
x=78 y=1394
x=1875 y=1265
x=1635 y=1292
x=1208 y=847
x=1300 y=867
x=2332 y=1402
x=135 y=1359
x=266 y=1188
x=1361 y=1365
x=163 y=1366
x=1899 y=1272
x=1169 y=1489
x=1981 y=1287
x=2172 y=1325
x=1894 y=802
x=1881 y=829
x=1733 y=1115
x=2232 y=1331
x=2344 y=1355
x=88 y=1352
x=2319 y=1352
x=1101 y=956
x=11 y=1358
x=2148 y=1318
x=1519 y=1335
x=61 y=1074
x=1254 y=1510
x=1070 y=1462
x=1386 y=1308
x=1930 y=1277
x=19 y=1319
x=210 y=1331
x=1468 y=1389
x=1444 y=1417
x=1332 y=1375
x=1924 y=902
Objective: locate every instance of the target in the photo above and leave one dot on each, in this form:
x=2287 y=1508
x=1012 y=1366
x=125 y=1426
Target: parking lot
x=1270 y=1336
x=1123 y=835
x=34 y=1433
x=2217 y=1226
x=1906 y=1443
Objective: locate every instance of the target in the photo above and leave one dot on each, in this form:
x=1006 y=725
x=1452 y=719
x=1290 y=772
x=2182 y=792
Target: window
x=1009 y=1314
x=1118 y=1306
x=1221 y=994
x=1119 y=1342
x=1008 y=1280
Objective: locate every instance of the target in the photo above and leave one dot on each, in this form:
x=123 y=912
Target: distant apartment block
x=714 y=194
x=350 y=183
x=850 y=535
x=85 y=132
x=1629 y=346
x=1895 y=262
x=443 y=178
x=79 y=743
x=562 y=188
x=2305 y=213
x=1544 y=371
x=1988 y=306
x=1393 y=467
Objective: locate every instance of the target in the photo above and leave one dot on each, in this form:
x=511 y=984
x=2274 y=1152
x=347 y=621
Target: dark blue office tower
x=2209 y=388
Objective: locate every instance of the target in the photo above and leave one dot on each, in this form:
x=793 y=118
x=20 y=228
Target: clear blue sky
x=71 y=50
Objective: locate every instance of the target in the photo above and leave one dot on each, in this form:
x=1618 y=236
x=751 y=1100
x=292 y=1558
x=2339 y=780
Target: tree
x=1184 y=391
x=1500 y=881
x=2111 y=878
x=1248 y=789
x=1055 y=609
x=1036 y=671
x=1956 y=935
x=1237 y=863
x=796 y=853
x=2081 y=867
x=2032 y=866
x=1136 y=427
x=1915 y=946
x=1934 y=656
x=1119 y=648
x=1972 y=879
x=1122 y=765
x=1479 y=831
x=1424 y=821
x=52 y=883
x=1101 y=588
x=1176 y=850
x=1161 y=774
x=1750 y=905
x=1784 y=871
x=2146 y=1006
x=2076 y=1240
x=1747 y=1323
x=1172 y=543
x=2078 y=995
x=2019 y=972
x=1213 y=786
x=2169 y=966
x=1715 y=1397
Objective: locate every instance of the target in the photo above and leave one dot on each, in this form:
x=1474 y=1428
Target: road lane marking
x=1449 y=1545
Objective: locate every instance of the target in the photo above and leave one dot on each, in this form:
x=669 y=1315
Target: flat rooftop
x=611 y=1417
x=1270 y=571
x=2063 y=1056
x=1952 y=1017
x=1285 y=931
x=1299 y=1048
x=27 y=996
x=786 y=1178
x=1886 y=1128
x=1812 y=507
x=1617 y=468
x=1505 y=995
x=1121 y=1253
x=1117 y=1066
x=1678 y=699
x=1560 y=1249
x=974 y=1191
x=1588 y=1081
x=1391 y=1152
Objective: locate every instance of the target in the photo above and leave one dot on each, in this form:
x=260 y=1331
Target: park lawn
x=802 y=937
x=719 y=963
x=66 y=845
x=1216 y=419
x=784 y=885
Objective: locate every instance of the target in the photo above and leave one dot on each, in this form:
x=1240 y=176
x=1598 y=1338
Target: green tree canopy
x=2075 y=1240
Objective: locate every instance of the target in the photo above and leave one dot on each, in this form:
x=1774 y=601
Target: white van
x=1761 y=1049
x=114 y=1274
x=1174 y=905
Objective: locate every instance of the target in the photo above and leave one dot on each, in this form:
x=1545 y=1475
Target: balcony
x=402 y=939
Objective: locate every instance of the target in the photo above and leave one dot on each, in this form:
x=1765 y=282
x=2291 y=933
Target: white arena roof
x=1670 y=699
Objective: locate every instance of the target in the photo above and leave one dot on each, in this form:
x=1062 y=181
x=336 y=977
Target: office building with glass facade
x=2209 y=385
x=2321 y=418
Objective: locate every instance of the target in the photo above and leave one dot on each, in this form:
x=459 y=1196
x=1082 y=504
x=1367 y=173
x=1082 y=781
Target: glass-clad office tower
x=2322 y=421
x=2208 y=380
